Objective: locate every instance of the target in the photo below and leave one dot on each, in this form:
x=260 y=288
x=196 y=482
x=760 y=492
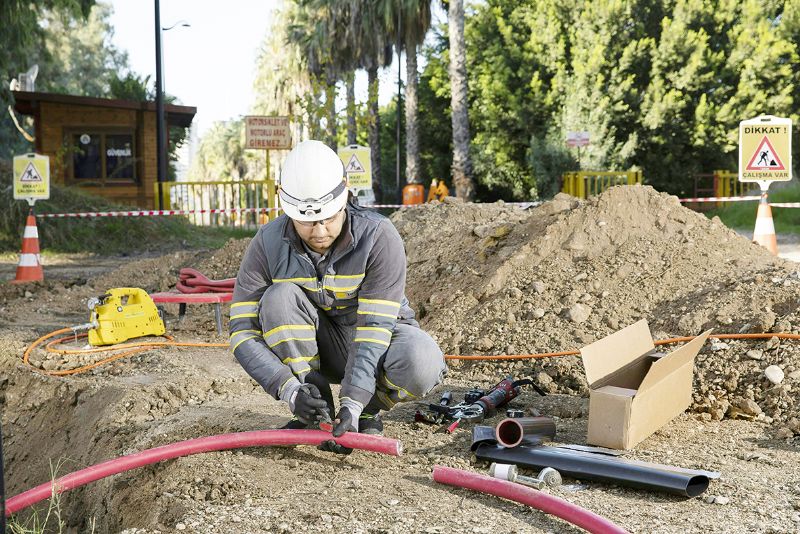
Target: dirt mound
x=161 y=273
x=224 y=263
x=498 y=279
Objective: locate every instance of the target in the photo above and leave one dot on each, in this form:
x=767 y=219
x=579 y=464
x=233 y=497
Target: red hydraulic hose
x=567 y=511
x=220 y=442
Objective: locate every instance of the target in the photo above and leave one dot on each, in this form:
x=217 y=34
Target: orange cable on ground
x=479 y=357
x=136 y=348
x=141 y=347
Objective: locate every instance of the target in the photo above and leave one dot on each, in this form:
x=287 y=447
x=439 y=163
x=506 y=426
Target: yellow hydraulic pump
x=121 y=314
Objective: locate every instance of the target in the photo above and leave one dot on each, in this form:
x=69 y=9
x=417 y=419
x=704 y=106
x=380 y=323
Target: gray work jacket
x=364 y=277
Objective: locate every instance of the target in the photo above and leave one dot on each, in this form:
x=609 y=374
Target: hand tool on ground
x=435 y=413
x=477 y=404
x=548 y=477
x=495 y=398
x=121 y=314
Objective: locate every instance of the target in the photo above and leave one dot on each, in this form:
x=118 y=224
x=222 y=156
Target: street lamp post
x=161 y=129
x=161 y=137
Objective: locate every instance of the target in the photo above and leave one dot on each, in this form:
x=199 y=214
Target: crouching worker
x=320 y=299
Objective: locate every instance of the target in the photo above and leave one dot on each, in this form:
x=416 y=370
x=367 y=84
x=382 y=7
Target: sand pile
x=497 y=279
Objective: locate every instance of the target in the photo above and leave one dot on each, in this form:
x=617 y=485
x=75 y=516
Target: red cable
x=515 y=492
x=220 y=442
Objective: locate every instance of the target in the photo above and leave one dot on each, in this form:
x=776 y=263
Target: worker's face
x=320 y=235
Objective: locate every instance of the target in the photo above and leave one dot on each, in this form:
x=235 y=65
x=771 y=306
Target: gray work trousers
x=305 y=338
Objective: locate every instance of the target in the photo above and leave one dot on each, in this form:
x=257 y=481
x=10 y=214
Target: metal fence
x=242 y=204
x=583 y=184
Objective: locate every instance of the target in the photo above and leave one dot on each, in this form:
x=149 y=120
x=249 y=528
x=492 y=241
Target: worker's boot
x=370 y=421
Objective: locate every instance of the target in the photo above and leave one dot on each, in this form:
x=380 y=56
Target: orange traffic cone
x=30 y=265
x=764 y=233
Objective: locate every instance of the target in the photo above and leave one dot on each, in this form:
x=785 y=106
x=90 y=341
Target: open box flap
x=606 y=355
x=675 y=359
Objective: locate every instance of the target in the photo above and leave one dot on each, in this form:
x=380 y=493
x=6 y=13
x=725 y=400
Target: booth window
x=102 y=157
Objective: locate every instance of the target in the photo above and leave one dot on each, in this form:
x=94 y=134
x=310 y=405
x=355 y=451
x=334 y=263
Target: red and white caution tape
x=150 y=213
x=720 y=199
x=785 y=204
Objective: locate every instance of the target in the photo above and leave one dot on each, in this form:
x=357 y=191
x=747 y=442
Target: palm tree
x=317 y=30
x=415 y=19
x=462 y=163
x=373 y=51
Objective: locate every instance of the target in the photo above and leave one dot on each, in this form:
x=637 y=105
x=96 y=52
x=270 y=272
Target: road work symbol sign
x=31 y=177
x=354 y=165
x=765 y=149
x=357 y=166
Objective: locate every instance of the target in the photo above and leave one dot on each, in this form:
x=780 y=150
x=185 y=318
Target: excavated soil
x=485 y=279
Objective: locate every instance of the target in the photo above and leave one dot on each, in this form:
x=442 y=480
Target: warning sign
x=267 y=133
x=357 y=166
x=767 y=158
x=765 y=150
x=354 y=165
x=31 y=177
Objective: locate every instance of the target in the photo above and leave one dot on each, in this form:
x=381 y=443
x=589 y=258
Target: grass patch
x=106 y=235
x=742 y=215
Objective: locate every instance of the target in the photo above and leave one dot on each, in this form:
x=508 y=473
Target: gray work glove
x=346 y=421
x=307 y=404
x=347 y=418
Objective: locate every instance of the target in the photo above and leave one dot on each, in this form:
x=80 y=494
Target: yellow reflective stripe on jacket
x=280 y=388
x=234 y=345
x=306 y=283
x=297 y=331
x=273 y=345
x=298 y=359
x=254 y=304
x=243 y=331
x=239 y=336
x=383 y=302
x=397 y=388
x=289 y=327
x=373 y=329
x=240 y=310
x=381 y=308
x=243 y=315
x=373 y=334
x=378 y=314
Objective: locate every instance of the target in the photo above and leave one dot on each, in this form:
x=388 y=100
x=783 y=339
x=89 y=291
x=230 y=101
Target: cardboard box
x=635 y=390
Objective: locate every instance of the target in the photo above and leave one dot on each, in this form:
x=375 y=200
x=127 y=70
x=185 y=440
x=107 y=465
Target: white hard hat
x=312 y=184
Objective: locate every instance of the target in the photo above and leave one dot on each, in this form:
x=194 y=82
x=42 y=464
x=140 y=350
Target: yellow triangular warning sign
x=354 y=165
x=31 y=175
x=765 y=158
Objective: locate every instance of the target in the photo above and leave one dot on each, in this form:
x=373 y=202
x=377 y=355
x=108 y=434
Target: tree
x=319 y=28
x=415 y=19
x=373 y=51
x=283 y=85
x=20 y=38
x=462 y=163
x=78 y=57
x=222 y=156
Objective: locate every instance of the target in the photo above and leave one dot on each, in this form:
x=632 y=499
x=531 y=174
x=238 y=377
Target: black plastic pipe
x=602 y=467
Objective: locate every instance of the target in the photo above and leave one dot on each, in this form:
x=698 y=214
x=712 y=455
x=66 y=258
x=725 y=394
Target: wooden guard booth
x=104 y=146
